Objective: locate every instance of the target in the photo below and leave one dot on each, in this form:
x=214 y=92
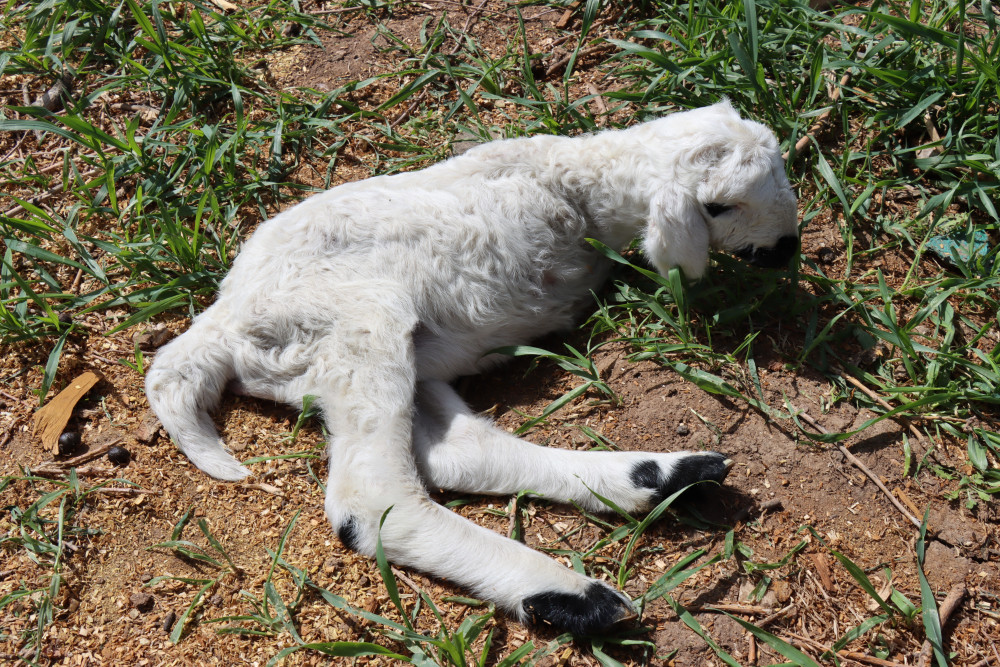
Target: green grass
x=142 y=209
x=44 y=532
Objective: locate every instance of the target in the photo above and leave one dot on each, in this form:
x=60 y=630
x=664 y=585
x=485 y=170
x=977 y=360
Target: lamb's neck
x=602 y=171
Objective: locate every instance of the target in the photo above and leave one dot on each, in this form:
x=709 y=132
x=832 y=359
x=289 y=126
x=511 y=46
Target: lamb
x=374 y=295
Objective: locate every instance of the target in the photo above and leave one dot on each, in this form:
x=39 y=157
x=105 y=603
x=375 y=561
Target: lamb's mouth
x=772 y=257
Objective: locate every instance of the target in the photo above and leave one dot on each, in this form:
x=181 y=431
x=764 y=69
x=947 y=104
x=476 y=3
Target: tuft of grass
x=44 y=532
x=187 y=550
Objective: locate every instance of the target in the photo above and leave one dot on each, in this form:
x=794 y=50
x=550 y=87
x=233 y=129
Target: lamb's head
x=725 y=188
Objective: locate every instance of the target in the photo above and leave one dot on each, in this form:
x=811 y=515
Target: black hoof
x=349 y=534
x=598 y=609
x=710 y=466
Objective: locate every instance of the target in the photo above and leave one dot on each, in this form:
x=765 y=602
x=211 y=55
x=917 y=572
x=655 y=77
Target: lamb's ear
x=676 y=234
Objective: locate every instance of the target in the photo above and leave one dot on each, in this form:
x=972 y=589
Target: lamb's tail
x=183 y=387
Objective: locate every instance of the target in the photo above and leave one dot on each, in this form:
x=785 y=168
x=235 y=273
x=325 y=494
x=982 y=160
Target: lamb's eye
x=716 y=210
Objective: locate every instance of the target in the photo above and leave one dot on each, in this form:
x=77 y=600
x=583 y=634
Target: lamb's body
x=525 y=270
x=375 y=294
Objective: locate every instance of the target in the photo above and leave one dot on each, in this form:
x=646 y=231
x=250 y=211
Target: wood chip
x=267 y=488
x=902 y=495
x=568 y=14
x=823 y=570
x=147 y=428
x=51 y=419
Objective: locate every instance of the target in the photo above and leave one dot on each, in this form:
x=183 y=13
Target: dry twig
x=776 y=615
x=869 y=659
x=90 y=455
x=406 y=580
x=336 y=10
x=465 y=28
x=863 y=468
x=823 y=569
x=125 y=490
x=731 y=608
x=85 y=471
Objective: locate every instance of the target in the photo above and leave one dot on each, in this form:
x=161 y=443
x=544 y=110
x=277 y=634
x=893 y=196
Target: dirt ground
x=783 y=491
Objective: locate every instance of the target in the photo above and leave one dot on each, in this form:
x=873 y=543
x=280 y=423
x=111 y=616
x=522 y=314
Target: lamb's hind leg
x=461 y=451
x=365 y=381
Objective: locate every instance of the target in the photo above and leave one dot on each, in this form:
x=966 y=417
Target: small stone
x=682 y=429
x=68 y=442
x=119 y=456
x=150 y=339
x=142 y=601
x=146 y=576
x=168 y=622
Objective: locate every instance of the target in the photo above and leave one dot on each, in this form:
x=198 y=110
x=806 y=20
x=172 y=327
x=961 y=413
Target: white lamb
x=374 y=295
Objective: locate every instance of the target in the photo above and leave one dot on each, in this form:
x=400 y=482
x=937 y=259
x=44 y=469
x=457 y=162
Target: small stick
x=225 y=5
x=406 y=580
x=871 y=660
x=776 y=615
x=86 y=456
x=267 y=488
x=947 y=608
x=76 y=281
x=409 y=110
x=849 y=655
x=465 y=28
x=598 y=98
x=907 y=500
x=863 y=468
x=124 y=490
x=85 y=471
x=818 y=585
x=338 y=10
x=731 y=608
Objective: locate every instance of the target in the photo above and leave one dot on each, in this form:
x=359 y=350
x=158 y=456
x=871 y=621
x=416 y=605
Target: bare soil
x=784 y=489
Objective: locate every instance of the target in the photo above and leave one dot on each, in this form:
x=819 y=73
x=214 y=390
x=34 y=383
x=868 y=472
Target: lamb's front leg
x=460 y=451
